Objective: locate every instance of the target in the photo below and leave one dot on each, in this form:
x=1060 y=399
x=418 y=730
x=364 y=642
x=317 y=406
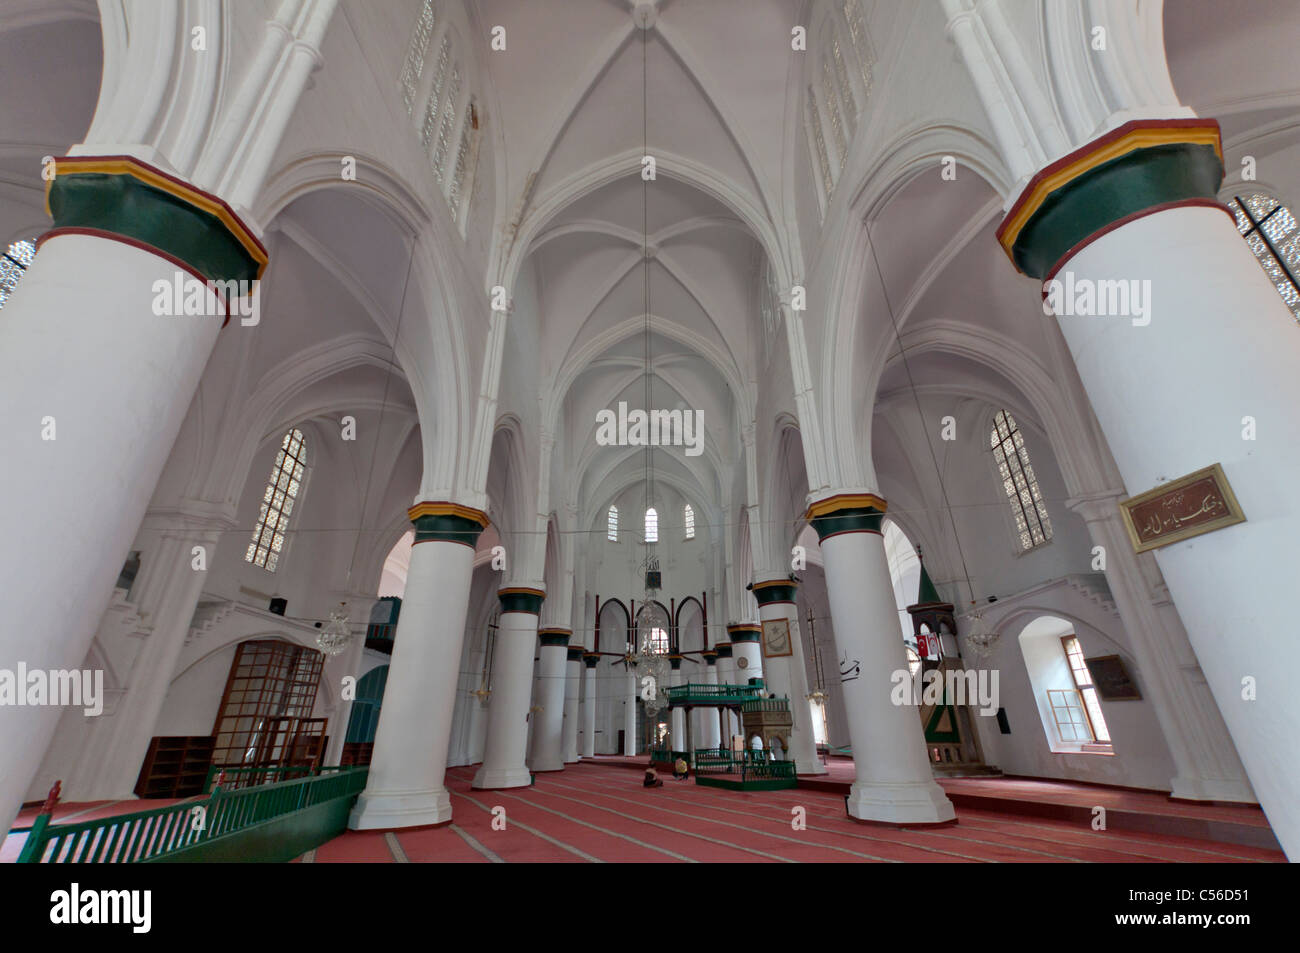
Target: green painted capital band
x=1102 y=196
x=576 y=652
x=779 y=590
x=675 y=661
x=447 y=528
x=122 y=205
x=554 y=637
x=710 y=656
x=590 y=659
x=724 y=649
x=744 y=633
x=866 y=519
x=522 y=600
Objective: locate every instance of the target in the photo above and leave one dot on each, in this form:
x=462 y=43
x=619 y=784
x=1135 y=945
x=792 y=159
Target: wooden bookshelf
x=175 y=766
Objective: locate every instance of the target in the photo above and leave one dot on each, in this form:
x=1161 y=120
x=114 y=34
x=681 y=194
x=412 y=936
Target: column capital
x=710 y=656
x=551 y=635
x=1141 y=167
x=125 y=199
x=773 y=591
x=590 y=659
x=446 y=522
x=1096 y=506
x=575 y=653
x=521 y=599
x=846 y=511
x=675 y=660
x=744 y=632
x=724 y=649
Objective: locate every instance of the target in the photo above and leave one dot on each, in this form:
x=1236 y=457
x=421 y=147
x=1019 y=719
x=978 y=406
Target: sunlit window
x=651 y=526
x=612 y=534
x=1083 y=682
x=13 y=265
x=1270 y=230
x=658 y=641
x=277 y=502
x=413 y=68
x=688 y=519
x=1019 y=482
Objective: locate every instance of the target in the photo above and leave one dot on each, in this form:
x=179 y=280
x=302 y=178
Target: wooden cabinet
x=175 y=766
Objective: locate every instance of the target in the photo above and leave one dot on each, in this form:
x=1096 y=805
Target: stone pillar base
x=495 y=780
x=417 y=809
x=912 y=803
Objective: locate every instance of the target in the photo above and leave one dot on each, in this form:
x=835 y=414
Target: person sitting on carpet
x=680 y=769
x=652 y=780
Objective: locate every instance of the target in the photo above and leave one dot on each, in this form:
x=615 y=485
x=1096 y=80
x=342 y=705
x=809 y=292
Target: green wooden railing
x=667 y=756
x=706 y=693
x=747 y=762
x=267 y=822
x=766 y=704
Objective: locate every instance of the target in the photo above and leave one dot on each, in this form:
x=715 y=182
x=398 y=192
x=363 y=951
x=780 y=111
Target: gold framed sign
x=776 y=639
x=1200 y=502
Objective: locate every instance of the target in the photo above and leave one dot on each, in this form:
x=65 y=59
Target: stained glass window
x=688 y=518
x=277 y=502
x=858 y=36
x=1032 y=524
x=819 y=144
x=612 y=534
x=831 y=102
x=13 y=265
x=446 y=128
x=651 y=526
x=1270 y=230
x=457 y=191
x=433 y=108
x=413 y=69
x=846 y=91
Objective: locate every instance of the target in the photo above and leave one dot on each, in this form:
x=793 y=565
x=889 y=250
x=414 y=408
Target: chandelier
x=337 y=633
x=981 y=639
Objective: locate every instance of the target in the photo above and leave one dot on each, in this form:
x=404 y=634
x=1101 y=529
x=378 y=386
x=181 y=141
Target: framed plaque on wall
x=776 y=639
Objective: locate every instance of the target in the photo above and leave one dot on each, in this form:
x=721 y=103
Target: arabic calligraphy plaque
x=1200 y=502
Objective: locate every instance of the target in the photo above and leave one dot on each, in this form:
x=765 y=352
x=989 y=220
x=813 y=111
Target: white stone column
x=710 y=723
x=405 y=787
x=677 y=725
x=629 y=714
x=788 y=675
x=893 y=782
x=589 y=661
x=1170 y=402
x=727 y=676
x=505 y=752
x=1193 y=365
x=94 y=385
x=168 y=594
x=572 y=695
x=548 y=742
x=745 y=646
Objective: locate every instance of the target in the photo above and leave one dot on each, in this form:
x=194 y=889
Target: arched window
x=658 y=641
x=839 y=84
x=277 y=502
x=1270 y=230
x=612 y=535
x=13 y=265
x=1019 y=482
x=448 y=122
x=688 y=519
x=651 y=526
x=413 y=68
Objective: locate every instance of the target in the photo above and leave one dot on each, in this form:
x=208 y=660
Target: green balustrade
x=266 y=822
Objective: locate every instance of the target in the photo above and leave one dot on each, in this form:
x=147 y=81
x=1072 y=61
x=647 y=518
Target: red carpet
x=593 y=812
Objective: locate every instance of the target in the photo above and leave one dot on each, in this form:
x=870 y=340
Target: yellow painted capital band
x=844 y=501
x=1139 y=134
x=142 y=171
x=447 y=509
